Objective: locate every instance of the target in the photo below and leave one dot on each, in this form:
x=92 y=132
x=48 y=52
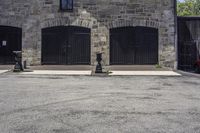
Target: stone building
x=65 y=32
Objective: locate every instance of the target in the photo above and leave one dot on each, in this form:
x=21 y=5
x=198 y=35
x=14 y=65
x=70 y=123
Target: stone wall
x=98 y=15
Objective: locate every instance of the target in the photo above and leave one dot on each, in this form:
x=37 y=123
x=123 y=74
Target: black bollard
x=18 y=61
x=25 y=66
x=99 y=66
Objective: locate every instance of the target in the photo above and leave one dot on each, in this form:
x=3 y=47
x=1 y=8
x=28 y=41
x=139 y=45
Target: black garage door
x=66 y=45
x=10 y=40
x=133 y=46
x=187 y=46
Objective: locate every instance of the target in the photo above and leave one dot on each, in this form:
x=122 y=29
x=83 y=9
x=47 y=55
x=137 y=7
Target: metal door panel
x=133 y=46
x=187 y=45
x=79 y=49
x=71 y=45
x=13 y=37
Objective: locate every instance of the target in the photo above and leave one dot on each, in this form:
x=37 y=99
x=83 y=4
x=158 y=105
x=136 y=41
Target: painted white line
x=3 y=71
x=54 y=72
x=144 y=73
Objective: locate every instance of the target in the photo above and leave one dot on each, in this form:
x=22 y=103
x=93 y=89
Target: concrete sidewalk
x=57 y=72
x=127 y=70
x=113 y=73
x=144 y=73
x=3 y=71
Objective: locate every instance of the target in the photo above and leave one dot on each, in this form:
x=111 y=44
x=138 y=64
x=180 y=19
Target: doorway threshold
x=6 y=67
x=62 y=67
x=136 y=68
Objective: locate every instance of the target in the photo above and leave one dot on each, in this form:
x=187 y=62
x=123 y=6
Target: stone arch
x=125 y=23
x=54 y=22
x=66 y=22
x=11 y=22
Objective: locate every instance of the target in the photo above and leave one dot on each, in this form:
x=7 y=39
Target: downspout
x=175 y=35
x=198 y=40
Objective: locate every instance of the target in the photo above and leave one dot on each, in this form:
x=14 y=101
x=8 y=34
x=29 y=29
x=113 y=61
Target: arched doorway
x=133 y=46
x=10 y=40
x=66 y=45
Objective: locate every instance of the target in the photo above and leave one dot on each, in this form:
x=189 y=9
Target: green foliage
x=188 y=8
x=158 y=66
x=197 y=7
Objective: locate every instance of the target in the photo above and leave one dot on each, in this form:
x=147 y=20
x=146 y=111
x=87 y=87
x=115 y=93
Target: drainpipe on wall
x=198 y=48
x=175 y=34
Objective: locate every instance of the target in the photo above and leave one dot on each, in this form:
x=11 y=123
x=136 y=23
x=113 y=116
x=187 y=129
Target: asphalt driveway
x=85 y=104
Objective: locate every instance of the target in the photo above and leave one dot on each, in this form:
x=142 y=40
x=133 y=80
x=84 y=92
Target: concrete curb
x=89 y=73
x=144 y=73
x=188 y=73
x=56 y=72
x=3 y=71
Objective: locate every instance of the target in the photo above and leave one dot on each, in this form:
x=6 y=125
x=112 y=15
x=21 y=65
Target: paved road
x=84 y=104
